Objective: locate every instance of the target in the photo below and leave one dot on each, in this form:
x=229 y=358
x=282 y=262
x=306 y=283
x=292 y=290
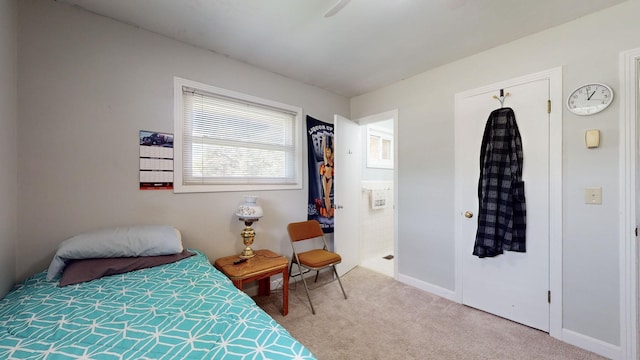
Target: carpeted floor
x=385 y=319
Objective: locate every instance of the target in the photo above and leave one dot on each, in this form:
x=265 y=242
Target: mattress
x=182 y=310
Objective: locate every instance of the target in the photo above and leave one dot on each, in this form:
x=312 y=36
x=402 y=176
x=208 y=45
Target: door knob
x=468 y=214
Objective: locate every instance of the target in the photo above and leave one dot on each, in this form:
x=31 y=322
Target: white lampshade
x=249 y=209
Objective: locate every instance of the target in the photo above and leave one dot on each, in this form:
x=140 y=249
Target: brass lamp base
x=247 y=253
x=248 y=235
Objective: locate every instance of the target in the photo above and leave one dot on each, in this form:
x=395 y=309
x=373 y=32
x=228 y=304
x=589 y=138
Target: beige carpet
x=385 y=319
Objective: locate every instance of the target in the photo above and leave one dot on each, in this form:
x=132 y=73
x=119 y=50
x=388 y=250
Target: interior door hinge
x=548 y=106
x=549 y=296
x=636 y=231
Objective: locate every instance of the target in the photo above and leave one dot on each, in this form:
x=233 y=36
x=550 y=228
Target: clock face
x=590 y=99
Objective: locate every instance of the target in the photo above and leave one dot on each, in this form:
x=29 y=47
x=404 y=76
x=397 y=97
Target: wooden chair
x=315 y=259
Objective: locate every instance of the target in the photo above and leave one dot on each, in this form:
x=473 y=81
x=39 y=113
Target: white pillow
x=131 y=241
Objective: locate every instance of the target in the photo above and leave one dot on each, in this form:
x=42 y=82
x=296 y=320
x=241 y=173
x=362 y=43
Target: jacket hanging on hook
x=502 y=212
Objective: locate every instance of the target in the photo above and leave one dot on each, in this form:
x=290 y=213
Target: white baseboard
x=570 y=337
x=252 y=289
x=437 y=290
x=276 y=283
x=594 y=345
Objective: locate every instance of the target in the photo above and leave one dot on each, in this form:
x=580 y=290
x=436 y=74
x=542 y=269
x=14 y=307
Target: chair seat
x=318 y=258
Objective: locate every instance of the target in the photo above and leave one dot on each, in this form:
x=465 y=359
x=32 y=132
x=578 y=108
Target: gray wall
x=8 y=143
x=587 y=53
x=88 y=84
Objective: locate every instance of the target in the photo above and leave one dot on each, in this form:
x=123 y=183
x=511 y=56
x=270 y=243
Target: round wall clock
x=590 y=99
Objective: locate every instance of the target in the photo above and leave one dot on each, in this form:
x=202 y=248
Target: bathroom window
x=379 y=147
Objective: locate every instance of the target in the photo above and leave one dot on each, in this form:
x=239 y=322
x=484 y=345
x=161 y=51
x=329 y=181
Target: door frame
x=628 y=137
x=386 y=115
x=555 y=193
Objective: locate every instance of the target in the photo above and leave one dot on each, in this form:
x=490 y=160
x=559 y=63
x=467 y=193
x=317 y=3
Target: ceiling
x=366 y=45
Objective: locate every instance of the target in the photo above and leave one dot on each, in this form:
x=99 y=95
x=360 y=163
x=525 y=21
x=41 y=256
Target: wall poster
x=156 y=160
x=320 y=152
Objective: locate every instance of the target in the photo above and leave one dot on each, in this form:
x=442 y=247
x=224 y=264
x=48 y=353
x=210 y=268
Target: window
x=227 y=141
x=379 y=147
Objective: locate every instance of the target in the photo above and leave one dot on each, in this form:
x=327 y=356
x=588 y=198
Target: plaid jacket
x=502 y=214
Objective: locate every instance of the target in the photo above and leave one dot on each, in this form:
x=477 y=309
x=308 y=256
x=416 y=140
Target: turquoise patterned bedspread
x=183 y=310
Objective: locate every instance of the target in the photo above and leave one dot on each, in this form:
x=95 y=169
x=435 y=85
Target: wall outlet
x=276 y=284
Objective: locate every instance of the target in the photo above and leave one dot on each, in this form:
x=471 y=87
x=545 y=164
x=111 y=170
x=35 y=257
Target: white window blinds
x=236 y=140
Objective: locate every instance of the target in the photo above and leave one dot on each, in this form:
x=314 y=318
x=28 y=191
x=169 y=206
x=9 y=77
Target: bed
x=185 y=309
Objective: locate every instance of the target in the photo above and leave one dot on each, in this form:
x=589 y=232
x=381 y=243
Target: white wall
x=588 y=49
x=88 y=84
x=8 y=142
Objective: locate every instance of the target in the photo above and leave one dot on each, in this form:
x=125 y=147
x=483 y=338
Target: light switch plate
x=593 y=196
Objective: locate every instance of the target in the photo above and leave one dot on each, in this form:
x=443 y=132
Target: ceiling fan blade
x=336 y=8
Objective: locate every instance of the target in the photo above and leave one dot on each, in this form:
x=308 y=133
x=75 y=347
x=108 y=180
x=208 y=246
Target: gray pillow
x=131 y=241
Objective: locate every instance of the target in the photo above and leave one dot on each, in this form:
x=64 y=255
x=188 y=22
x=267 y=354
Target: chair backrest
x=305 y=230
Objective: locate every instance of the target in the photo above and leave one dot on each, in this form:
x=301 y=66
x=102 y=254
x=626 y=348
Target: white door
x=512 y=285
x=347 y=165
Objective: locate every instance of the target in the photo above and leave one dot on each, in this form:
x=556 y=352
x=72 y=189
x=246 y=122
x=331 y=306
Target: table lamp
x=249 y=212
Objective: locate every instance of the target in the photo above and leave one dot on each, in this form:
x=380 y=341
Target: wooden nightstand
x=258 y=268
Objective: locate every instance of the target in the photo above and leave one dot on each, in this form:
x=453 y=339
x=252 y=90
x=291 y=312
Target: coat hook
x=503 y=95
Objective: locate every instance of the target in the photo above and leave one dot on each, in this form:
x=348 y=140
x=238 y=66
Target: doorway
x=377 y=197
